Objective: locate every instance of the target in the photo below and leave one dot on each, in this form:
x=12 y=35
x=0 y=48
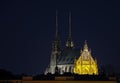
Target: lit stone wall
x=65 y=68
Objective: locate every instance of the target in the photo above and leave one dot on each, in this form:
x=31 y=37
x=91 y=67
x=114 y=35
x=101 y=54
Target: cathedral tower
x=85 y=64
x=69 y=43
x=55 y=51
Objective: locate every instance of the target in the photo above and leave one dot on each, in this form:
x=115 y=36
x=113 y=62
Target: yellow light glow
x=85 y=64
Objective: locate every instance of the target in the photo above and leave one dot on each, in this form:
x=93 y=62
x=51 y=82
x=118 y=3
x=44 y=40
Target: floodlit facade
x=85 y=64
x=64 y=60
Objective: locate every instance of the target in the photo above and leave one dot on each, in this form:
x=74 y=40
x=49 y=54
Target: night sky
x=27 y=30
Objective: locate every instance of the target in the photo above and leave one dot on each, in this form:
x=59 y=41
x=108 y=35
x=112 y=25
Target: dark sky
x=27 y=29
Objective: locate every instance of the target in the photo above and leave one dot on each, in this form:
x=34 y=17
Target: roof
x=68 y=56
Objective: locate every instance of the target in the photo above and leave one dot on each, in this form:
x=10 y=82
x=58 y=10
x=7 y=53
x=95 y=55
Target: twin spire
x=69 y=43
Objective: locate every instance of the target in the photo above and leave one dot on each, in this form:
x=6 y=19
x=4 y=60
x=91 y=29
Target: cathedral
x=78 y=61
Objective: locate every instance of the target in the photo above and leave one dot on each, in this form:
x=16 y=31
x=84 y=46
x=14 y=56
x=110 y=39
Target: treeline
x=8 y=75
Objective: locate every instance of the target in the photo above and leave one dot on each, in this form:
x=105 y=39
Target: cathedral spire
x=70 y=25
x=55 y=49
x=69 y=43
x=85 y=46
x=56 y=32
x=56 y=41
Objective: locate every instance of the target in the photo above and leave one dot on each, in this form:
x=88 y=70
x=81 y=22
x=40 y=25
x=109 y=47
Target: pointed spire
x=85 y=46
x=56 y=46
x=69 y=24
x=69 y=43
x=56 y=32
